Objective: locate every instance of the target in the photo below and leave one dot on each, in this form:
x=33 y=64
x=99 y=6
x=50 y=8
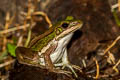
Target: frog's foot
x=66 y=63
x=71 y=66
x=61 y=72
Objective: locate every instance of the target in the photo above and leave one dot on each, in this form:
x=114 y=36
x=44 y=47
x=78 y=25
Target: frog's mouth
x=69 y=30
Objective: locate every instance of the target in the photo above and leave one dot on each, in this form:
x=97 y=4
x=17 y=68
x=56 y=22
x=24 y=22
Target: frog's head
x=68 y=26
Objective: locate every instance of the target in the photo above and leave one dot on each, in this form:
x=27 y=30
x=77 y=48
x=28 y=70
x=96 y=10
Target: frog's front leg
x=48 y=62
x=66 y=63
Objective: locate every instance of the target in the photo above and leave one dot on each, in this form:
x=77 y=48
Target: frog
x=49 y=50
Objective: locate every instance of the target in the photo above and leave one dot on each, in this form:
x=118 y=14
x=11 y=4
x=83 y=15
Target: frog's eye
x=65 y=25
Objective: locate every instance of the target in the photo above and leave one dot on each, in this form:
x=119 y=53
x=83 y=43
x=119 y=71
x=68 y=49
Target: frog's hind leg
x=66 y=63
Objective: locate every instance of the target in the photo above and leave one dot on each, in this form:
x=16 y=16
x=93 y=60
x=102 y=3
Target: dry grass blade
x=111 y=58
x=97 y=66
x=113 y=7
x=7 y=24
x=118 y=5
x=15 y=28
x=114 y=67
x=84 y=63
x=114 y=4
x=46 y=17
x=6 y=63
x=19 y=43
x=114 y=42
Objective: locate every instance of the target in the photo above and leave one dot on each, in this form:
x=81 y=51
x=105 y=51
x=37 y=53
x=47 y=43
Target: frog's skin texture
x=51 y=46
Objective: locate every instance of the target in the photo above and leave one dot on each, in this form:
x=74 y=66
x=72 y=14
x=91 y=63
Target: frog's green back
x=40 y=41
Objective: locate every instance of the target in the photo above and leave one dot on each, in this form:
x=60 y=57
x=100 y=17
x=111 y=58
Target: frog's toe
x=71 y=66
x=76 y=67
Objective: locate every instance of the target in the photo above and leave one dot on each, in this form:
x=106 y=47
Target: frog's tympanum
x=49 y=49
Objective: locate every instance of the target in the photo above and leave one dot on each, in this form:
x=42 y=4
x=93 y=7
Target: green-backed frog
x=50 y=48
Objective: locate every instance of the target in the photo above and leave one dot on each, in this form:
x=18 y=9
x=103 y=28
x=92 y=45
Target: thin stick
x=114 y=6
x=97 y=66
x=118 y=5
x=114 y=42
x=14 y=29
x=114 y=67
x=28 y=38
x=19 y=43
x=111 y=57
x=7 y=63
x=46 y=17
x=6 y=27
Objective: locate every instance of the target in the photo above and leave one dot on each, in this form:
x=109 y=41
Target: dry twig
x=7 y=24
x=45 y=15
x=97 y=66
x=7 y=63
x=114 y=67
x=118 y=5
x=14 y=29
x=114 y=42
x=111 y=58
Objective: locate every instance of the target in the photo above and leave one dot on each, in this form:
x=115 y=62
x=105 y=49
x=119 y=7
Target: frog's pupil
x=65 y=25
